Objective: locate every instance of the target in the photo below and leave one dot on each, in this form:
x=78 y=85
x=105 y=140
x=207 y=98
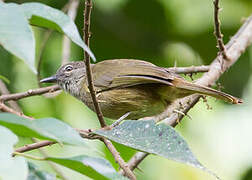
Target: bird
x=123 y=86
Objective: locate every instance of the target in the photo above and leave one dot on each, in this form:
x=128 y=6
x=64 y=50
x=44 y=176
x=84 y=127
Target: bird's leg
x=118 y=121
x=182 y=113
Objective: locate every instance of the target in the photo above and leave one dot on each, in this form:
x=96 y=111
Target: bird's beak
x=51 y=79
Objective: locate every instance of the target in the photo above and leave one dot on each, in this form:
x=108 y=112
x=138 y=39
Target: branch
x=33 y=146
x=137 y=159
x=188 y=70
x=4 y=90
x=5 y=108
x=118 y=158
x=31 y=92
x=217 y=30
x=87 y=13
x=66 y=47
x=235 y=47
x=114 y=152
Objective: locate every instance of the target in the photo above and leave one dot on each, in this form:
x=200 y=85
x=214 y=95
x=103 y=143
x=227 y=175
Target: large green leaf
x=11 y=168
x=15 y=33
x=93 y=167
x=46 y=128
x=158 y=139
x=36 y=174
x=45 y=16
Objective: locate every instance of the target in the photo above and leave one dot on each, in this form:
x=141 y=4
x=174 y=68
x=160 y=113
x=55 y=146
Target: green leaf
x=93 y=167
x=45 y=16
x=158 y=139
x=36 y=174
x=11 y=168
x=5 y=79
x=15 y=33
x=46 y=128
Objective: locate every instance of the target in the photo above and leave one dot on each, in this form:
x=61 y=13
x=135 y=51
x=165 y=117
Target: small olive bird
x=124 y=85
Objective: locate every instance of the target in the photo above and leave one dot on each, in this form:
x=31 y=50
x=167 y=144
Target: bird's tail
x=194 y=88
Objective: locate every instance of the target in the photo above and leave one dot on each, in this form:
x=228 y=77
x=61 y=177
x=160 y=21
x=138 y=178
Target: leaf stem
x=29 y=156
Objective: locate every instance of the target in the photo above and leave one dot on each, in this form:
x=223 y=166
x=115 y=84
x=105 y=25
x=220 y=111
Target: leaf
x=11 y=168
x=16 y=35
x=5 y=79
x=36 y=174
x=46 y=16
x=158 y=139
x=46 y=128
x=93 y=167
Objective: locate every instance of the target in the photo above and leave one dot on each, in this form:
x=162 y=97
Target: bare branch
x=188 y=70
x=87 y=13
x=235 y=47
x=33 y=146
x=66 y=47
x=217 y=30
x=137 y=159
x=118 y=158
x=3 y=91
x=5 y=108
x=114 y=152
x=31 y=92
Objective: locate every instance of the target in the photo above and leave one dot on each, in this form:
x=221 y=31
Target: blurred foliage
x=165 y=33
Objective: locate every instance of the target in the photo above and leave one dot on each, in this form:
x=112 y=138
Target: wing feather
x=125 y=73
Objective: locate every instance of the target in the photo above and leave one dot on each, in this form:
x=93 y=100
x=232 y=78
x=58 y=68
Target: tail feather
x=205 y=91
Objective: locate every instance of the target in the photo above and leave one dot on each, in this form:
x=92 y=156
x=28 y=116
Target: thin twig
x=66 y=47
x=114 y=152
x=235 y=47
x=137 y=159
x=43 y=152
x=119 y=159
x=217 y=31
x=31 y=92
x=87 y=13
x=3 y=91
x=33 y=146
x=5 y=108
x=188 y=70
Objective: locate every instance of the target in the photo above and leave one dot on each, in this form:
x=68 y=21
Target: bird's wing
x=110 y=74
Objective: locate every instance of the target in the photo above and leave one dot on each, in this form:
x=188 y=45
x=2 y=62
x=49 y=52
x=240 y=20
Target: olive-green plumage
x=124 y=85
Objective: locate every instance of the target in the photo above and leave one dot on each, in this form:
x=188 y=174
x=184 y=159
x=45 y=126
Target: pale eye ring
x=68 y=68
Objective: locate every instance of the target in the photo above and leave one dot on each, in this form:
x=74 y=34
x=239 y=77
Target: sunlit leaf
x=11 y=168
x=46 y=128
x=15 y=33
x=93 y=167
x=158 y=139
x=36 y=174
x=46 y=16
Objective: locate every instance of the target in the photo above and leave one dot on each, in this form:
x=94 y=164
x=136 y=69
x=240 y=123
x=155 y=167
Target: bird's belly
x=141 y=101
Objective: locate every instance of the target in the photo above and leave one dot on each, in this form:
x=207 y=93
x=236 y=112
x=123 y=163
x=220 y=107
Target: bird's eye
x=68 y=68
